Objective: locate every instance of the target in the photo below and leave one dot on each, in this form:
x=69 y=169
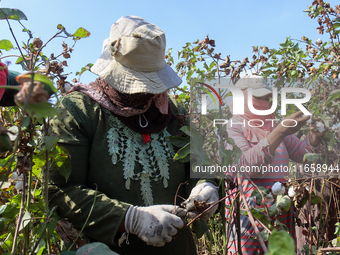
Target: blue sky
x=234 y=25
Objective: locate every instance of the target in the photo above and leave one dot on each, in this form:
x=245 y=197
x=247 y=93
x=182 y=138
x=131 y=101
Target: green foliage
x=282 y=203
x=27 y=225
x=81 y=33
x=305 y=249
x=258 y=194
x=10 y=13
x=311 y=157
x=6 y=45
x=280 y=243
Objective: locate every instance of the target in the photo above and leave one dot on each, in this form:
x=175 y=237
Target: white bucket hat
x=257 y=83
x=132 y=59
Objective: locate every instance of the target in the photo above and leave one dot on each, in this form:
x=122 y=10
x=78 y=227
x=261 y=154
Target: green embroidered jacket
x=106 y=154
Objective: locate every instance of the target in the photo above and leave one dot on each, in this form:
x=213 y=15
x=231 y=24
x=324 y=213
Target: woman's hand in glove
x=155 y=225
x=203 y=192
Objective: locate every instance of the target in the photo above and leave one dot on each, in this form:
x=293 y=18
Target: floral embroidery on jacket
x=128 y=146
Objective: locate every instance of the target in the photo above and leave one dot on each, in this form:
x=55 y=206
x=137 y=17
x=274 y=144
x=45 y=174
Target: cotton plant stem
x=18 y=87
x=45 y=182
x=327 y=250
x=223 y=219
x=28 y=200
x=251 y=218
x=321 y=208
x=45 y=185
x=238 y=222
x=229 y=230
x=208 y=209
x=199 y=215
x=329 y=204
x=264 y=226
x=310 y=239
x=333 y=183
x=15 y=239
x=179 y=186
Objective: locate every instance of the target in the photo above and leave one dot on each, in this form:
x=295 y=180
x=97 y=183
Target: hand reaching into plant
x=201 y=197
x=288 y=126
x=317 y=129
x=155 y=225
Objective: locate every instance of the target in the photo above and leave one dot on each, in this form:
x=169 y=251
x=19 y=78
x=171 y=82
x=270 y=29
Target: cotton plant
x=273 y=202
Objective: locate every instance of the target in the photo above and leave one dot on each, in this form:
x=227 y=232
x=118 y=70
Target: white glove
x=155 y=225
x=203 y=192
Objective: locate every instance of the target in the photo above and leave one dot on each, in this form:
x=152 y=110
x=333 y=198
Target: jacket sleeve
x=74 y=199
x=297 y=148
x=251 y=156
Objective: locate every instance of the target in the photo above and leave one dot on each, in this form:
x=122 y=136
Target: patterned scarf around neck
x=156 y=110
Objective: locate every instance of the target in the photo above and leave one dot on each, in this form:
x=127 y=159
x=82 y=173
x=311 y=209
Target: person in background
x=266 y=144
x=115 y=130
x=7 y=77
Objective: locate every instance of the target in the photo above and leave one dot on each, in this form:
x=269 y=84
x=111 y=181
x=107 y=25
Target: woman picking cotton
x=266 y=148
x=122 y=170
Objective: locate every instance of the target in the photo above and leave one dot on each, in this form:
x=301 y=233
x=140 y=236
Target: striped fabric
x=257 y=158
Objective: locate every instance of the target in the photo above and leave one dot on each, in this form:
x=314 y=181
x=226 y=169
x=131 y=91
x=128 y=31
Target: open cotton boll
x=291 y=192
x=278 y=189
x=19 y=185
x=14 y=130
x=320 y=126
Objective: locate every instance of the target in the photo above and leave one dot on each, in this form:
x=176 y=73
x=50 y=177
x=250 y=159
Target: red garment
x=146 y=138
x=3 y=77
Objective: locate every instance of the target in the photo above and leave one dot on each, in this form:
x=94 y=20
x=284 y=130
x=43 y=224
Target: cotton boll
x=19 y=185
x=14 y=130
x=278 y=189
x=320 y=126
x=291 y=191
x=318 y=42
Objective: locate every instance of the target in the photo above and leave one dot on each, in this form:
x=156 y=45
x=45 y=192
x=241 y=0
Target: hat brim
x=261 y=92
x=129 y=81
